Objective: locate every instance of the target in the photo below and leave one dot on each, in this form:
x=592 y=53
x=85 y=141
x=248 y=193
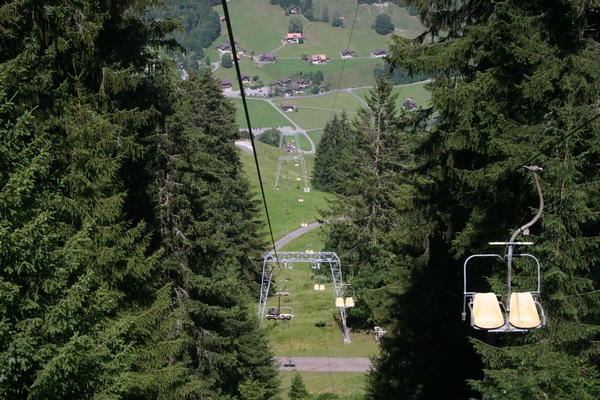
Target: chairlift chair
x=514 y=311
x=346 y=301
x=280 y=313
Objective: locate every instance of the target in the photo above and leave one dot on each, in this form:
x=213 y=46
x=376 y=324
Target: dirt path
x=324 y=364
x=301 y=231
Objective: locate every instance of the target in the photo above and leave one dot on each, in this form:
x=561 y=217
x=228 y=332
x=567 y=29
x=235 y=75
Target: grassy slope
x=285 y=211
x=262 y=115
x=249 y=16
x=349 y=385
x=316 y=135
x=301 y=336
x=342 y=101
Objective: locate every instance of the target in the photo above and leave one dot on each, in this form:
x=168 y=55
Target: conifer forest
x=134 y=226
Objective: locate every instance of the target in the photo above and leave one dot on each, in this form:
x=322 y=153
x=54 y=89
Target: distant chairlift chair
x=346 y=301
x=280 y=313
x=520 y=311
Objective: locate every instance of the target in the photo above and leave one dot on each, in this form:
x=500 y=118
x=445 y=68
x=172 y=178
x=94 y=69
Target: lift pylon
x=324 y=258
x=299 y=160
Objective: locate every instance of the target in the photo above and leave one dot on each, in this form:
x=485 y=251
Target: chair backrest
x=339 y=302
x=486 y=311
x=349 y=302
x=523 y=313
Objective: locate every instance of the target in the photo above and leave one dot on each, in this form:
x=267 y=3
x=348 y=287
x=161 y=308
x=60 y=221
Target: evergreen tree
x=226 y=60
x=271 y=137
x=101 y=295
x=295 y=25
x=297 y=389
x=515 y=86
x=207 y=227
x=334 y=168
x=374 y=202
x=383 y=24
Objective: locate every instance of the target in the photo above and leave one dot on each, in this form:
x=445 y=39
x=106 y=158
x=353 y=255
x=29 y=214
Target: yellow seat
x=523 y=313
x=339 y=302
x=321 y=287
x=349 y=302
x=317 y=287
x=486 y=311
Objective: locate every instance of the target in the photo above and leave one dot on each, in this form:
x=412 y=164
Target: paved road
x=324 y=364
x=301 y=231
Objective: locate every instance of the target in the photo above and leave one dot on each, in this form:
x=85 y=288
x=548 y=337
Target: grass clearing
x=287 y=214
x=313 y=331
x=316 y=136
x=341 y=101
x=262 y=115
x=347 y=385
x=309 y=118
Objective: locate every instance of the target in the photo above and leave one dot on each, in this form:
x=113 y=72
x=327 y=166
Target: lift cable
x=247 y=115
x=344 y=60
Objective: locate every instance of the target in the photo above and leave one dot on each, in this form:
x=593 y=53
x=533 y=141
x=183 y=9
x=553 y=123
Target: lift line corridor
x=322 y=257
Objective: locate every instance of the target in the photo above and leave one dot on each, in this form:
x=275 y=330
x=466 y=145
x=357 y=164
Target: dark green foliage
x=297 y=389
x=211 y=249
x=383 y=24
x=337 y=21
x=334 y=166
x=226 y=60
x=271 y=137
x=325 y=15
x=295 y=25
x=100 y=295
x=517 y=84
x=376 y=196
x=398 y=76
x=200 y=25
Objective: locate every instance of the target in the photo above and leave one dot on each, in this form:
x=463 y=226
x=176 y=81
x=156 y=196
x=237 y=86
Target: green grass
x=313 y=331
x=257 y=25
x=347 y=385
x=316 y=136
x=341 y=101
x=357 y=72
x=262 y=115
x=416 y=91
x=311 y=119
x=287 y=214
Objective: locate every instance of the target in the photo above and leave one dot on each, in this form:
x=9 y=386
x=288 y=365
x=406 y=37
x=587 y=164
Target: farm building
x=410 y=104
x=378 y=53
x=288 y=107
x=318 y=59
x=226 y=84
x=245 y=79
x=294 y=10
x=268 y=57
x=293 y=37
x=303 y=83
x=224 y=48
x=347 y=54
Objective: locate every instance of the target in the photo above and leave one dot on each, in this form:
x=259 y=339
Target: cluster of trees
x=397 y=75
x=128 y=237
x=295 y=25
x=271 y=137
x=516 y=84
x=200 y=26
x=383 y=24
